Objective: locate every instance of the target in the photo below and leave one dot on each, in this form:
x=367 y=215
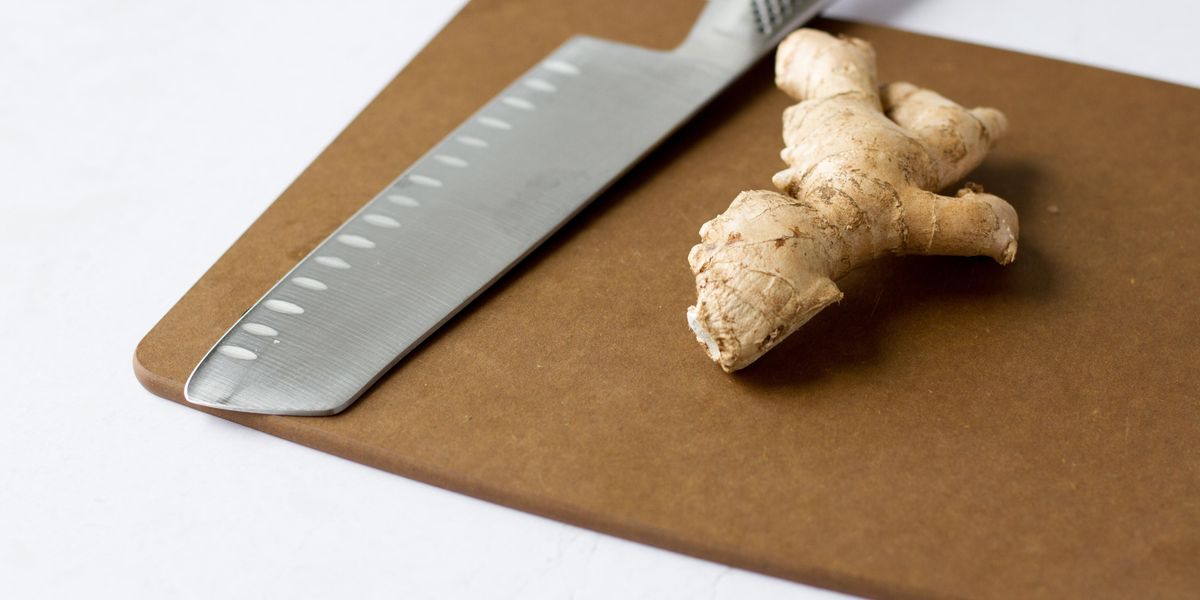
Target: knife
x=472 y=207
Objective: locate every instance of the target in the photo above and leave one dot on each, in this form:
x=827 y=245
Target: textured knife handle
x=734 y=32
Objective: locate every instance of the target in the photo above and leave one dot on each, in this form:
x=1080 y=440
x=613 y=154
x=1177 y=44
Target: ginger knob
x=864 y=168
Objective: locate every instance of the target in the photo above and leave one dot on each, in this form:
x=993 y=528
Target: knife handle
x=735 y=33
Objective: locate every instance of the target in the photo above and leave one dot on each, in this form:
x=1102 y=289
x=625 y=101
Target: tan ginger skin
x=864 y=165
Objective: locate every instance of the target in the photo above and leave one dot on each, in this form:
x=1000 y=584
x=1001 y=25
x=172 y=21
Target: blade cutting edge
x=467 y=211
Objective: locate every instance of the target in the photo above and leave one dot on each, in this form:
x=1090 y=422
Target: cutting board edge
x=538 y=505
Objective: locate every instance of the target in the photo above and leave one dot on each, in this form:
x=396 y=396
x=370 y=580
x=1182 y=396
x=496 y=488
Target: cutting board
x=952 y=428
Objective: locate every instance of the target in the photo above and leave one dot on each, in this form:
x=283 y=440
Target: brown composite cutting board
x=952 y=428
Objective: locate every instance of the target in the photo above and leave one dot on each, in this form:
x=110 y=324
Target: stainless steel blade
x=471 y=208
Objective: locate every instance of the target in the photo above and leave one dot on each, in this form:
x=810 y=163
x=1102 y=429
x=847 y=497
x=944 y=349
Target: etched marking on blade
x=260 y=329
x=355 y=241
x=381 y=221
x=453 y=161
x=540 y=85
x=495 y=123
x=402 y=200
x=520 y=103
x=332 y=262
x=309 y=283
x=473 y=142
x=561 y=66
x=283 y=306
x=237 y=352
x=425 y=180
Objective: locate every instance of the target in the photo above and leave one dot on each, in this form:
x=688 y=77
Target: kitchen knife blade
x=473 y=206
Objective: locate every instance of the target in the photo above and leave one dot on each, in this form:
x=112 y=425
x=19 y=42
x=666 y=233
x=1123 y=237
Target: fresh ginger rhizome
x=864 y=167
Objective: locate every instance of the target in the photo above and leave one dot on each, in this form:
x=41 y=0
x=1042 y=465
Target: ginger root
x=864 y=165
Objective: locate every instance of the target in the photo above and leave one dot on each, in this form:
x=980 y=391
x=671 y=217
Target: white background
x=137 y=141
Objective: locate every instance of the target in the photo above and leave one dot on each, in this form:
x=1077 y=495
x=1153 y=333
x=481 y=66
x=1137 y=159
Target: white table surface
x=137 y=141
